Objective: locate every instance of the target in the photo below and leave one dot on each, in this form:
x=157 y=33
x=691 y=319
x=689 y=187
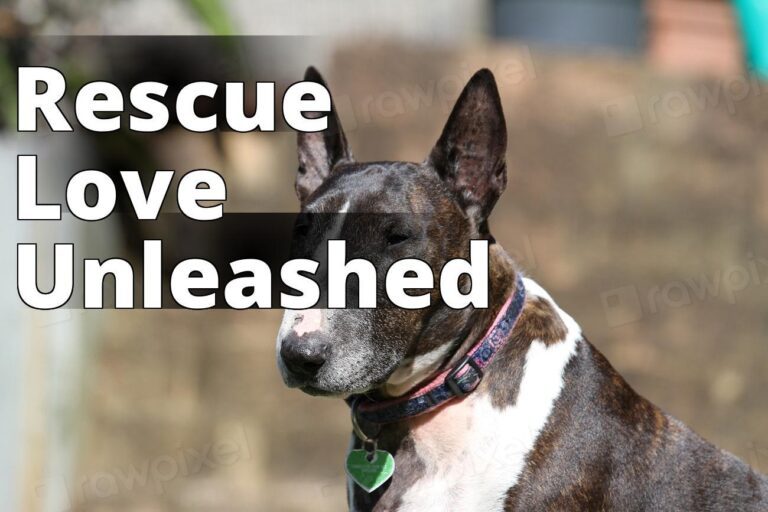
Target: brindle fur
x=603 y=447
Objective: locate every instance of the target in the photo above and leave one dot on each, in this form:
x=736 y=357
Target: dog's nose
x=303 y=356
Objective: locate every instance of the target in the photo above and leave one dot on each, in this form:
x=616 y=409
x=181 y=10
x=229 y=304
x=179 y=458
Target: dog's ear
x=319 y=152
x=470 y=154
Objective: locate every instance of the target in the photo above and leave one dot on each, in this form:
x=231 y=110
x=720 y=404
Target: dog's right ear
x=319 y=152
x=470 y=154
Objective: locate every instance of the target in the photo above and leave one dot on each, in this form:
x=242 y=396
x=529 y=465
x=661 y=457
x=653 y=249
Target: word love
x=99 y=106
x=194 y=187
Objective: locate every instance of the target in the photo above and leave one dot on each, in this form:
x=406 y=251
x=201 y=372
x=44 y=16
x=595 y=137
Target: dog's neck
x=493 y=430
x=466 y=327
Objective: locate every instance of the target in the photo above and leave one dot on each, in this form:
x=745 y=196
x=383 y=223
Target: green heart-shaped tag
x=370 y=475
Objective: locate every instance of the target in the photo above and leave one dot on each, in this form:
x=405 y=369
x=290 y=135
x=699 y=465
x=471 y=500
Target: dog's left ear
x=319 y=152
x=470 y=154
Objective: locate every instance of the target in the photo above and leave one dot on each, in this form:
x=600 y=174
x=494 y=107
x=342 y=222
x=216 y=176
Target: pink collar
x=455 y=382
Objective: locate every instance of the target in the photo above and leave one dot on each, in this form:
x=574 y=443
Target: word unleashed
x=194 y=281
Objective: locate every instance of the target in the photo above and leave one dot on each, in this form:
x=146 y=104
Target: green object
x=370 y=475
x=753 y=16
x=214 y=15
x=7 y=89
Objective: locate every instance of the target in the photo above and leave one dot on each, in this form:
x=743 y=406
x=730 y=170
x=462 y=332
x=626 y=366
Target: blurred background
x=638 y=196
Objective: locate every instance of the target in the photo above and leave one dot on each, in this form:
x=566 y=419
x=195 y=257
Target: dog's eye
x=301 y=228
x=396 y=238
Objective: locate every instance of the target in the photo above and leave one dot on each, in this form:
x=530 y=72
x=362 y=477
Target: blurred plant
x=213 y=15
x=11 y=29
x=7 y=88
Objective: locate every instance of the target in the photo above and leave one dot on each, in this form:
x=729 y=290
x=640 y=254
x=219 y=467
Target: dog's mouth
x=309 y=386
x=315 y=391
x=321 y=389
x=313 y=388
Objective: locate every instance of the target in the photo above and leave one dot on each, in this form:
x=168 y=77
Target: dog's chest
x=469 y=458
x=473 y=452
x=470 y=453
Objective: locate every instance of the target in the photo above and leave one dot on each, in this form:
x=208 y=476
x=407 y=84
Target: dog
x=505 y=408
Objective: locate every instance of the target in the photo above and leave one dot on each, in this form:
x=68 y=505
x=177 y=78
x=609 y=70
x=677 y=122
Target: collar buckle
x=454 y=384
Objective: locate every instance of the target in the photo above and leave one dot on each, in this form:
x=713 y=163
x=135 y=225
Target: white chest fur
x=474 y=452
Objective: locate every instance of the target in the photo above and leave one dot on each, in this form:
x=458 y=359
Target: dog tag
x=370 y=475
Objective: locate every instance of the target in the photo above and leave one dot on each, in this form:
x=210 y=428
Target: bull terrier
x=505 y=408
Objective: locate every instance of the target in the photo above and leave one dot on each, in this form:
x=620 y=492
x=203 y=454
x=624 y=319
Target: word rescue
x=41 y=89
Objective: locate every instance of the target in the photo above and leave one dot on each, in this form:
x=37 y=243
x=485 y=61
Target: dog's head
x=428 y=211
